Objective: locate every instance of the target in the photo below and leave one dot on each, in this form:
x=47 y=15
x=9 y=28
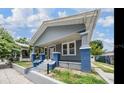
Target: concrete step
x=42 y=66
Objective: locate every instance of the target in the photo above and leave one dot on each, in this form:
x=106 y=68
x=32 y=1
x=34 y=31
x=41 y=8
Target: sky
x=24 y=22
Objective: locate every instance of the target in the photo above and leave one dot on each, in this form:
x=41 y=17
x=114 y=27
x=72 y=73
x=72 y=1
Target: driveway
x=11 y=76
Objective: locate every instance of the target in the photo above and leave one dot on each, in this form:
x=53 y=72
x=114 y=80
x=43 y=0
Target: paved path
x=11 y=76
x=109 y=77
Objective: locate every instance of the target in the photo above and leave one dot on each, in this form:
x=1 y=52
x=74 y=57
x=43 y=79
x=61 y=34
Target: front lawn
x=24 y=63
x=70 y=77
x=105 y=67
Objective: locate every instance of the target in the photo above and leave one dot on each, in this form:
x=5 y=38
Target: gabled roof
x=74 y=19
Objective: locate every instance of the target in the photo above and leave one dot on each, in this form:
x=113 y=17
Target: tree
x=98 y=42
x=22 y=40
x=7 y=44
x=96 y=47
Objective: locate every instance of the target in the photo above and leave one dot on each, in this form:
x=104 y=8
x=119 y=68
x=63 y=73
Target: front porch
x=73 y=47
x=71 y=54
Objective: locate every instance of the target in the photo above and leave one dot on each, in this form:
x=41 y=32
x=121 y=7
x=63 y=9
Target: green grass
x=72 y=78
x=105 y=67
x=108 y=65
x=24 y=64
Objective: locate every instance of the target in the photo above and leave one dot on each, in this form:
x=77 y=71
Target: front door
x=51 y=50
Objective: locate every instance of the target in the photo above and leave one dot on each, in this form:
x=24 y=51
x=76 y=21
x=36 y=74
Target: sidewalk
x=11 y=76
x=109 y=77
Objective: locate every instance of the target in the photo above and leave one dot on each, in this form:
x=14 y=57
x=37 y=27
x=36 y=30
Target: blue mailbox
x=56 y=57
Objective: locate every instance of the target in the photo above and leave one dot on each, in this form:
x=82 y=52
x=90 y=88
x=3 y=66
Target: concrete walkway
x=108 y=77
x=11 y=76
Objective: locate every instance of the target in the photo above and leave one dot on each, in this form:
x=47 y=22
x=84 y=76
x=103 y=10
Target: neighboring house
x=107 y=57
x=68 y=35
x=24 y=53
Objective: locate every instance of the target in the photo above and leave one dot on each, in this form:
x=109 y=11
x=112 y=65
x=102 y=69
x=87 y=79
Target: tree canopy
x=96 y=47
x=7 y=44
x=22 y=40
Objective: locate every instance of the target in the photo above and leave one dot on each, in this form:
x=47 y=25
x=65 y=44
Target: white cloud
x=106 y=21
x=12 y=33
x=18 y=17
x=36 y=19
x=80 y=10
x=108 y=42
x=33 y=31
x=100 y=34
x=108 y=10
x=18 y=37
x=23 y=17
x=2 y=21
x=62 y=14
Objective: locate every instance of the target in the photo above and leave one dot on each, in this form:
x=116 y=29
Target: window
x=64 y=49
x=69 y=48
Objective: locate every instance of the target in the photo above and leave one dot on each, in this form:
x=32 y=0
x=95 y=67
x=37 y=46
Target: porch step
x=42 y=66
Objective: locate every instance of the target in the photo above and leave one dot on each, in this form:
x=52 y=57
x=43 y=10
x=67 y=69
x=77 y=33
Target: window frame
x=68 y=48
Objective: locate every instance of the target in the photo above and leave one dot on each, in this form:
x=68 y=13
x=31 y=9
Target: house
x=70 y=36
x=110 y=55
x=24 y=52
x=107 y=57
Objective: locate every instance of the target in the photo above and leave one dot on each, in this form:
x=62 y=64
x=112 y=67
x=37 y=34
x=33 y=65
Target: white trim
x=56 y=52
x=68 y=50
x=50 y=46
x=85 y=47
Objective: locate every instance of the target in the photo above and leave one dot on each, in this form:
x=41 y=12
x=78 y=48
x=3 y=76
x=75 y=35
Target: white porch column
x=33 y=50
x=20 y=59
x=85 y=40
x=85 y=53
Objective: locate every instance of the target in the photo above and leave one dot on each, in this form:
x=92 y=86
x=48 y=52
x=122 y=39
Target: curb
x=34 y=76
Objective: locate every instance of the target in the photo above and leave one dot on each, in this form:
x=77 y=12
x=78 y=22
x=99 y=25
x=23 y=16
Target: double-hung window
x=69 y=48
x=65 y=51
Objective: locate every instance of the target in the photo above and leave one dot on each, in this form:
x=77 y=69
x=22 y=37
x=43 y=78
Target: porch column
x=33 y=55
x=85 y=53
x=56 y=57
x=42 y=56
x=20 y=57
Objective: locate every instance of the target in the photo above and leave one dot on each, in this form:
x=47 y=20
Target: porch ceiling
x=71 y=37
